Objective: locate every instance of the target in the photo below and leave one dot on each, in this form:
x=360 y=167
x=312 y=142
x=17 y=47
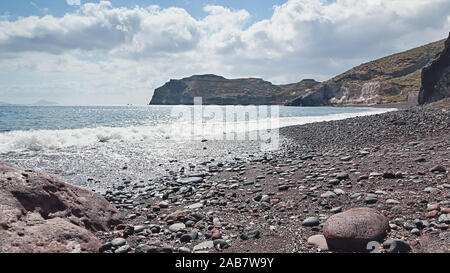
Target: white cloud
x=122 y=54
x=73 y=2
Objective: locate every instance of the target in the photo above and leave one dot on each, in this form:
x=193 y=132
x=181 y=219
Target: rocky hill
x=436 y=78
x=395 y=78
x=390 y=79
x=293 y=90
x=221 y=91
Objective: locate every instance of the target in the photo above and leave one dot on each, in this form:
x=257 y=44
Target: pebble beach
x=396 y=163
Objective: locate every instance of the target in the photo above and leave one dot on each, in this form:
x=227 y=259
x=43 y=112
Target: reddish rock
x=318 y=241
x=363 y=177
x=163 y=205
x=438 y=168
x=291 y=206
x=178 y=215
x=432 y=214
x=34 y=234
x=431 y=207
x=273 y=202
x=151 y=216
x=445 y=210
x=230 y=195
x=155 y=229
x=353 y=229
x=216 y=234
x=121 y=227
x=40 y=213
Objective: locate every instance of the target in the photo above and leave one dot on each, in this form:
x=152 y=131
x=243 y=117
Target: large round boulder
x=353 y=229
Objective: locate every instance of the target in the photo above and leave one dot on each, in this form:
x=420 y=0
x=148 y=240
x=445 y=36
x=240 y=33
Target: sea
x=99 y=146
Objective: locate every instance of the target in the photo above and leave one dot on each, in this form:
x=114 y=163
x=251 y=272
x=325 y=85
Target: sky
x=118 y=52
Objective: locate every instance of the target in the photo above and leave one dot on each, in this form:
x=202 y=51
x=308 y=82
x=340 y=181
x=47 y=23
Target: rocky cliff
x=394 y=78
x=390 y=79
x=221 y=91
x=436 y=78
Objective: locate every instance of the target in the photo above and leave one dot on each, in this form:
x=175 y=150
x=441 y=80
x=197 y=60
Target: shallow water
x=96 y=146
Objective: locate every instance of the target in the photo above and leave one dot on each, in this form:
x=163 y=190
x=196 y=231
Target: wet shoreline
x=259 y=204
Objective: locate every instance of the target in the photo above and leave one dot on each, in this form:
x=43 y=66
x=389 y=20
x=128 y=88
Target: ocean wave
x=41 y=140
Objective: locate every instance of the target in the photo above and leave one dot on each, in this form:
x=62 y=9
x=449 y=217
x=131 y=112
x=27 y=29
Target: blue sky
x=259 y=9
x=118 y=52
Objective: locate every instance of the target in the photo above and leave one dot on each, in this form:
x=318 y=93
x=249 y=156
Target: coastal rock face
x=43 y=214
x=436 y=78
x=218 y=90
x=393 y=78
x=352 y=230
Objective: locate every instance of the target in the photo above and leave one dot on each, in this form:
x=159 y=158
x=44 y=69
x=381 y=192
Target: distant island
x=38 y=103
x=395 y=78
x=44 y=103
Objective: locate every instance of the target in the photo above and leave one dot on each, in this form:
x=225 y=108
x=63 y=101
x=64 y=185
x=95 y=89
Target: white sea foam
x=41 y=140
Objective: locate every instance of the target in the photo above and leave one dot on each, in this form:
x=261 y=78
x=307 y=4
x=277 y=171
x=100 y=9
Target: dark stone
x=436 y=78
x=258 y=198
x=389 y=175
x=397 y=246
x=334 y=182
x=186 y=238
x=311 y=222
x=128 y=231
x=123 y=249
x=371 y=199
x=254 y=234
x=105 y=247
x=222 y=244
x=142 y=249
x=342 y=176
